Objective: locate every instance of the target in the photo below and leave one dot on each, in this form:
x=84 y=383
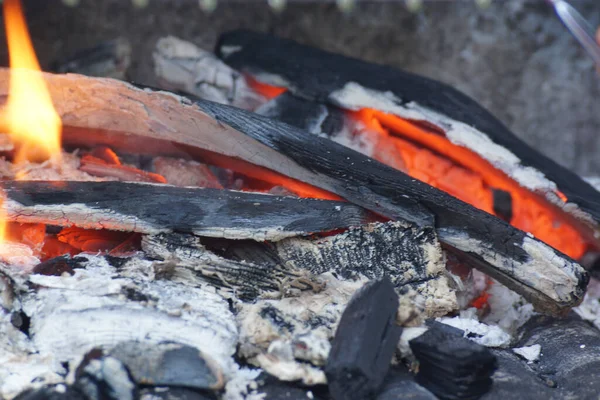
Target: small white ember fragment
x=485 y=335
x=409 y=334
x=530 y=353
x=582 y=346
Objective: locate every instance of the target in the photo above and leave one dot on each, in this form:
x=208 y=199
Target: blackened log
x=153 y=208
x=99 y=112
x=364 y=342
x=451 y=366
x=321 y=76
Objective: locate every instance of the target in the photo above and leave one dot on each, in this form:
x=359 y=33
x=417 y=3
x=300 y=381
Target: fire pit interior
x=257 y=217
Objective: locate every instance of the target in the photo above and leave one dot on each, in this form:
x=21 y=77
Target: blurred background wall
x=514 y=57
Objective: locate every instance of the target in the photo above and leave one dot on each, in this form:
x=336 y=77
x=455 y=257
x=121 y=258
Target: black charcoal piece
x=451 y=366
x=400 y=384
x=273 y=388
x=169 y=364
x=515 y=380
x=570 y=354
x=104 y=378
x=364 y=342
x=502 y=204
x=59 y=265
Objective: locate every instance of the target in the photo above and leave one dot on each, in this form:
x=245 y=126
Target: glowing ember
x=29 y=116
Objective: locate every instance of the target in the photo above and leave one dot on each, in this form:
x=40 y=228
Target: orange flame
x=29 y=115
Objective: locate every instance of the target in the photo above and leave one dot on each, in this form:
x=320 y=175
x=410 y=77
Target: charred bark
x=130 y=119
x=152 y=209
x=325 y=77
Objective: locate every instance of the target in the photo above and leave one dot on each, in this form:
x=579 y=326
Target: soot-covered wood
x=316 y=74
x=155 y=208
x=126 y=118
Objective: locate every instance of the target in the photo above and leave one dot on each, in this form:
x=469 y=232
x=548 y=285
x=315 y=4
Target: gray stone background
x=514 y=57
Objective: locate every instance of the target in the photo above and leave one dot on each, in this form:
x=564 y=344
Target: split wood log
x=349 y=83
x=108 y=112
x=152 y=209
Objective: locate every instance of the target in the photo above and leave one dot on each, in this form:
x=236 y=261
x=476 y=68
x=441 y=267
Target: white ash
x=589 y=309
x=243 y=385
x=353 y=96
x=508 y=310
x=183 y=66
x=279 y=360
x=530 y=353
x=407 y=335
x=70 y=315
x=483 y=334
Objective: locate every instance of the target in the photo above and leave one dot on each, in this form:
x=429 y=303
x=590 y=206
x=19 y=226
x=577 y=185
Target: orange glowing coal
x=29 y=116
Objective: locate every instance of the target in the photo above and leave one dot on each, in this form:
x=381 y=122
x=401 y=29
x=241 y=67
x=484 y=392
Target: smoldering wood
x=321 y=76
x=452 y=366
x=245 y=279
x=130 y=119
x=364 y=342
x=152 y=209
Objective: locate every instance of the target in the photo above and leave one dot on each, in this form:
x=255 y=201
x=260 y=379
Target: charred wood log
x=451 y=366
x=126 y=118
x=325 y=77
x=152 y=209
x=399 y=383
x=364 y=343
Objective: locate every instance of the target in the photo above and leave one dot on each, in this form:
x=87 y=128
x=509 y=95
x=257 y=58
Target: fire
x=423 y=152
x=29 y=116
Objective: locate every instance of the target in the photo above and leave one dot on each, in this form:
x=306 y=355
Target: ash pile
x=334 y=230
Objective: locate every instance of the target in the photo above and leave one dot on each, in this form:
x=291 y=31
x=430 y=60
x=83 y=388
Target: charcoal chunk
x=59 y=265
x=451 y=366
x=364 y=342
x=400 y=384
x=57 y=392
x=273 y=388
x=570 y=357
x=174 y=393
x=169 y=364
x=515 y=380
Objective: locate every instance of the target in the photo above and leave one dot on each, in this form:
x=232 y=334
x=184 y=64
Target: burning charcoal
x=451 y=366
x=169 y=364
x=109 y=59
x=400 y=384
x=58 y=392
x=569 y=358
x=59 y=265
x=364 y=342
x=104 y=378
x=99 y=167
x=141 y=208
x=183 y=173
x=277 y=153
x=308 y=115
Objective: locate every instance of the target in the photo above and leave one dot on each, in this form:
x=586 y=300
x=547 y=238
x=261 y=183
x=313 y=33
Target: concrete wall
x=514 y=57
